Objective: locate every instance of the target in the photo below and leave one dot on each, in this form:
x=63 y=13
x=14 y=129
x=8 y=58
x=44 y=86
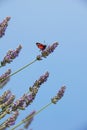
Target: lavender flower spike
x=5 y=96
x=19 y=104
x=8 y=102
x=11 y=54
x=3 y=26
x=47 y=51
x=59 y=95
x=40 y=81
x=10 y=121
x=27 y=98
x=4 y=78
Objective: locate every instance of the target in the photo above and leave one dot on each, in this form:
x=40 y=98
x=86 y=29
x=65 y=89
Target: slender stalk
x=20 y=123
x=22 y=68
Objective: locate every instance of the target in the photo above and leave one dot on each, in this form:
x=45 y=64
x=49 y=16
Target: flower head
x=5 y=96
x=59 y=95
x=47 y=51
x=10 y=121
x=11 y=54
x=27 y=98
x=3 y=26
x=6 y=99
x=8 y=102
x=39 y=82
x=4 y=78
x=23 y=102
x=5 y=102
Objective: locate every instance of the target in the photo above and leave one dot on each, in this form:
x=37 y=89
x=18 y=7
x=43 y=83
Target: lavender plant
x=8 y=105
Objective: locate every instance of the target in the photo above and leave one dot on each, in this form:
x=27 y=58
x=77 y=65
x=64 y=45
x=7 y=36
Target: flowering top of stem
x=6 y=99
x=11 y=54
x=27 y=98
x=4 y=78
x=3 y=26
x=59 y=95
x=40 y=81
x=10 y=121
x=47 y=51
x=5 y=96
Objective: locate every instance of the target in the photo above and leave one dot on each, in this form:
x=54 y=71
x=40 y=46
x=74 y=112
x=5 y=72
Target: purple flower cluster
x=47 y=51
x=3 y=26
x=59 y=95
x=5 y=101
x=19 y=104
x=4 y=78
x=23 y=102
x=27 y=98
x=41 y=80
x=4 y=98
x=8 y=102
x=10 y=121
x=11 y=54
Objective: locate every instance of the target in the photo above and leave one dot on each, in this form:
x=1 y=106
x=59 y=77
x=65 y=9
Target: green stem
x=20 y=69
x=20 y=123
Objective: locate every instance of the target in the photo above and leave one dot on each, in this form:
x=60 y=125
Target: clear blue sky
x=64 y=21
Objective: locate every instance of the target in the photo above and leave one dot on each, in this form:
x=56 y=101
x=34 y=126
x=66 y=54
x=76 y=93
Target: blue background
x=64 y=21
